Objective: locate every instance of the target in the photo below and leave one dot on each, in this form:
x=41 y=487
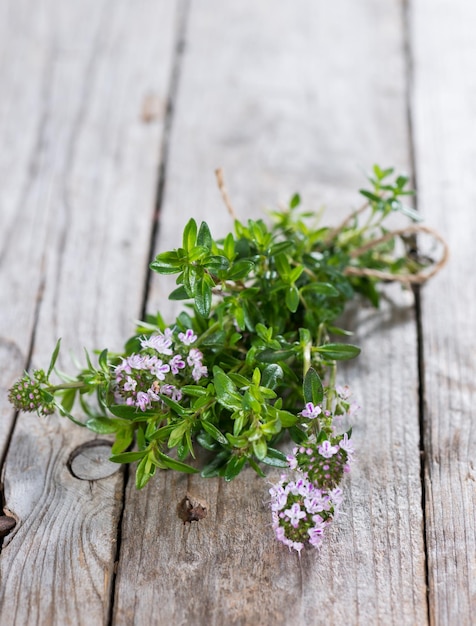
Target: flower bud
x=27 y=395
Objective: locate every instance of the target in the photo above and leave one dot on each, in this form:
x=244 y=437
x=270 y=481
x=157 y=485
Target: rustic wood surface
x=113 y=118
x=445 y=124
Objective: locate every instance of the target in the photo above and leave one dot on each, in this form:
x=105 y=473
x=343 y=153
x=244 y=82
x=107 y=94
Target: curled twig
x=415 y=279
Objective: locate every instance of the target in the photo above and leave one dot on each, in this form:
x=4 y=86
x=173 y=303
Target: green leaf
x=256 y=467
x=371 y=196
x=295 y=201
x=197 y=253
x=203 y=297
x=292 y=298
x=281 y=247
x=216 y=263
x=204 y=237
x=128 y=457
x=286 y=418
x=312 y=388
x=213 y=468
x=234 y=467
x=69 y=396
x=272 y=356
x=102 y=360
x=161 y=434
x=260 y=448
x=177 y=434
x=297 y=435
x=54 y=357
x=176 y=465
x=214 y=432
x=131 y=412
x=189 y=235
x=282 y=266
x=194 y=390
x=144 y=472
x=175 y=406
x=335 y=330
x=167 y=263
x=304 y=336
x=225 y=390
x=323 y=289
x=338 y=351
x=296 y=273
x=124 y=438
x=229 y=247
x=179 y=294
x=240 y=270
x=272 y=374
x=207 y=442
x=409 y=212
x=275 y=458
x=102 y=425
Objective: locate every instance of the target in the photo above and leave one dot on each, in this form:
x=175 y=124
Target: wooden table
x=113 y=117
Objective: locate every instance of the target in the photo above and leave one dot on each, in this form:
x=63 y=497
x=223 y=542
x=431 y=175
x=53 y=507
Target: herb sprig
x=252 y=358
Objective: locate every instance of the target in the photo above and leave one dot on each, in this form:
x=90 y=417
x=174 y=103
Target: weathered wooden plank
x=22 y=232
x=77 y=209
x=444 y=50
x=270 y=92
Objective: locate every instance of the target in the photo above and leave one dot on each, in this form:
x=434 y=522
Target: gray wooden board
x=286 y=97
x=445 y=132
x=79 y=165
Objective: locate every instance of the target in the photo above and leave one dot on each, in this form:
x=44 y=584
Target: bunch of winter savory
x=239 y=370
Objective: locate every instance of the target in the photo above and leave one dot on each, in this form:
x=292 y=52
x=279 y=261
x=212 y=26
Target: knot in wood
x=7 y=524
x=191 y=509
x=90 y=461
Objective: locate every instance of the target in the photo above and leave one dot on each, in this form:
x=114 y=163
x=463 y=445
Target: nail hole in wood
x=191 y=509
x=90 y=461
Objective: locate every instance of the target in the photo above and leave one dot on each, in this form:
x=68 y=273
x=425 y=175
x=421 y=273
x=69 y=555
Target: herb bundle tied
x=251 y=362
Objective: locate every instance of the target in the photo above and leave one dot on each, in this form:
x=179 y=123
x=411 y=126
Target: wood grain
x=445 y=131
x=270 y=91
x=80 y=167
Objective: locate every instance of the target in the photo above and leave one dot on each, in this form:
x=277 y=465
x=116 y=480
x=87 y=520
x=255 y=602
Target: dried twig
x=224 y=192
x=415 y=279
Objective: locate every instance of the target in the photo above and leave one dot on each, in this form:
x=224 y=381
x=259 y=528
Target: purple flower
x=315 y=536
x=199 y=371
x=159 y=369
x=172 y=392
x=343 y=391
x=176 y=363
x=326 y=449
x=346 y=444
x=130 y=384
x=316 y=503
x=188 y=337
x=279 y=501
x=295 y=514
x=336 y=495
x=194 y=357
x=296 y=545
x=137 y=362
x=292 y=461
x=160 y=342
x=311 y=411
x=143 y=400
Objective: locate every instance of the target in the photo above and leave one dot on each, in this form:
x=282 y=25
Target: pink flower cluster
x=304 y=503
x=301 y=511
x=165 y=363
